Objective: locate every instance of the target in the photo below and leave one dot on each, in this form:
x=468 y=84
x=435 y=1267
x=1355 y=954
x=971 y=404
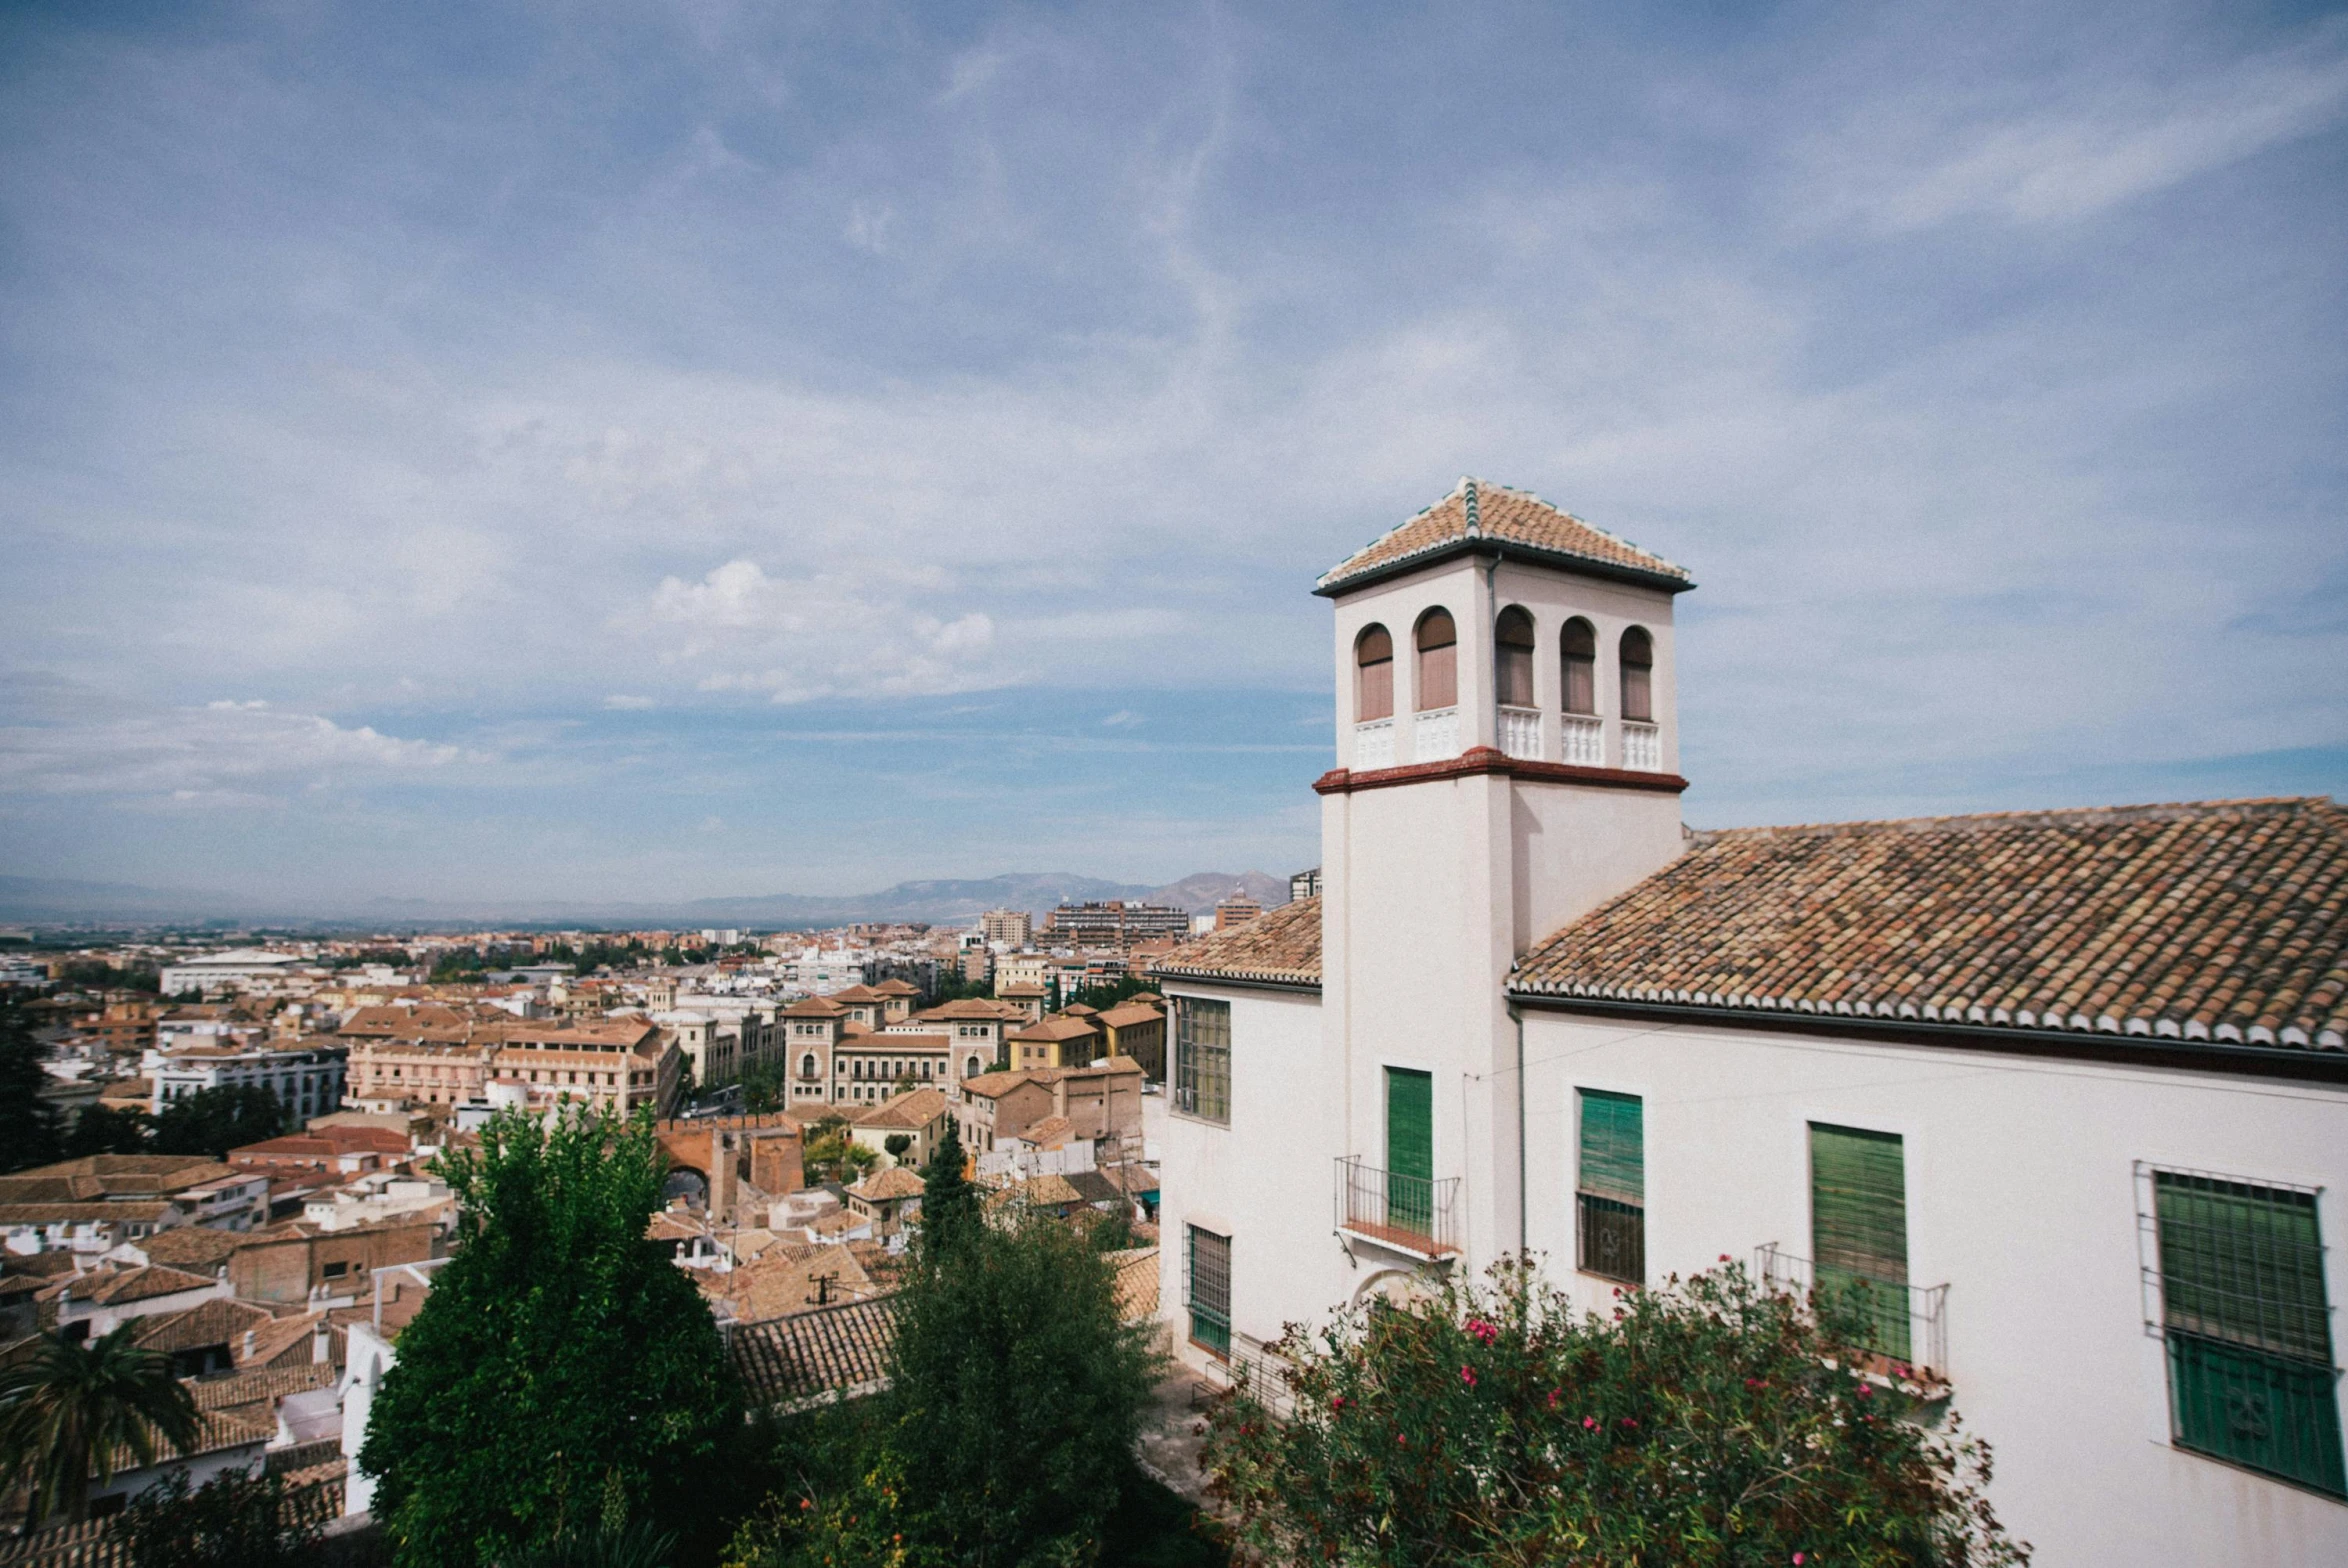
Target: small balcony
x=1582 y=741
x=1434 y=735
x=1520 y=733
x=1373 y=745
x=1407 y=1214
x=1642 y=747
x=1903 y=1326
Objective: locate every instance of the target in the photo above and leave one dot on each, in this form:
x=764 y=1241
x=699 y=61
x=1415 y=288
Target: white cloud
x=824 y=635
x=621 y=702
x=225 y=752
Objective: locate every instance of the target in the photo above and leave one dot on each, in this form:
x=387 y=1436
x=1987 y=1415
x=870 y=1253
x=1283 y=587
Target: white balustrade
x=1520 y=733
x=1435 y=736
x=1583 y=741
x=1373 y=745
x=1642 y=748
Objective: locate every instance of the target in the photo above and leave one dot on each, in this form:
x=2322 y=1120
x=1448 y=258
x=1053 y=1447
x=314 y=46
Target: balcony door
x=1410 y=1150
x=1859 y=1227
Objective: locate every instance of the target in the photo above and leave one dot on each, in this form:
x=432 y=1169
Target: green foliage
x=1006 y=1435
x=898 y=1144
x=951 y=987
x=101 y=1129
x=949 y=1204
x=636 y=1546
x=830 y=1154
x=563 y=1375
x=231 y=1521
x=28 y=1123
x=95 y=974
x=1709 y=1422
x=68 y=1412
x=766 y=1087
x=214 y=1121
x=457 y=966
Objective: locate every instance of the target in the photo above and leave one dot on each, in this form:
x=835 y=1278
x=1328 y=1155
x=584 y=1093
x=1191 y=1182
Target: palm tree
x=69 y=1411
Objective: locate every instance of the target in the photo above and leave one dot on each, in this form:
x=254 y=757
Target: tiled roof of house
x=887 y=1186
x=915 y=1109
x=119 y=1287
x=972 y=1008
x=219 y=1321
x=896 y=987
x=191 y=1247
x=1127 y=1014
x=2225 y=921
x=251 y=1387
x=1281 y=945
x=1056 y=1029
x=807 y=1353
x=814 y=1007
x=1137 y=1282
x=100 y=1176
x=1479 y=515
x=1050 y=1133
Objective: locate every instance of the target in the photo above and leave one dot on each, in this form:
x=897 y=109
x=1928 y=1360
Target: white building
x=307 y=1080
x=2070 y=1085
x=243 y=969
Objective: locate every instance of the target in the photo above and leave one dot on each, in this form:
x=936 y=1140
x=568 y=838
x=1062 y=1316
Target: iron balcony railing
x=1248 y=1364
x=1902 y=1325
x=1412 y=1214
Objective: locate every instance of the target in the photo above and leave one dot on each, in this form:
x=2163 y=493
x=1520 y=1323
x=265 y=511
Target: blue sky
x=649 y=451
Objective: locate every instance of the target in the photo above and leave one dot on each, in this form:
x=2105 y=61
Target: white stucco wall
x=2021 y=1198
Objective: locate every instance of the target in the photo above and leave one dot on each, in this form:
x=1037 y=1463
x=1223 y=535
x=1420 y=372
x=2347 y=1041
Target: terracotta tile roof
x=1055 y=1029
x=969 y=1008
x=1128 y=1014
x=813 y=1007
x=2224 y=921
x=191 y=1247
x=1282 y=945
x=988 y=1086
x=120 y=1286
x=219 y=1321
x=1480 y=515
x=246 y=1388
x=1137 y=1282
x=807 y=1353
x=886 y=1186
x=915 y=1108
x=856 y=994
x=894 y=987
x=1050 y=1133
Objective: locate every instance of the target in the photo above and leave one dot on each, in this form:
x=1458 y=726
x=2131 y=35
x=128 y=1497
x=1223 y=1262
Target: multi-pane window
x=1512 y=646
x=1207 y=1288
x=1202 y=1059
x=1638 y=675
x=1610 y=1187
x=1374 y=694
x=2248 y=1327
x=1579 y=651
x=1859 y=1229
x=1438 y=675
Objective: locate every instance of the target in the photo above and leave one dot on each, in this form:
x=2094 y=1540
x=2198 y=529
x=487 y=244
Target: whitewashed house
x=2071 y=1085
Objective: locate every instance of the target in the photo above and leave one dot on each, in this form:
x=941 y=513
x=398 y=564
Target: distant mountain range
x=48 y=900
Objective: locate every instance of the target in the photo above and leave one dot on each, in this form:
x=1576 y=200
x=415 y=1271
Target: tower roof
x=1481 y=518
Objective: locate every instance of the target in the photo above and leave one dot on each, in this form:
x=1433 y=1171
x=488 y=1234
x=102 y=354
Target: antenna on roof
x=1475 y=522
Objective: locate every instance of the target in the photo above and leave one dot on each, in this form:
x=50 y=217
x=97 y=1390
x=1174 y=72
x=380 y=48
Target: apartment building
x=1011 y=928
x=305 y=1075
x=2067 y=1090
x=1115 y=924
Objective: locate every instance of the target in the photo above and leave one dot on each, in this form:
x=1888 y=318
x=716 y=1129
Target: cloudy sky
x=655 y=450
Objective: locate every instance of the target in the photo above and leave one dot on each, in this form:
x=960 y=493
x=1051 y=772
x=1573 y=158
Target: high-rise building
x=1014 y=928
x=1116 y=923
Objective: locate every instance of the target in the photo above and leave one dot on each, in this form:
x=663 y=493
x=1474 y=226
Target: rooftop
x=1280 y=946
x=914 y=1109
x=1477 y=517
x=2223 y=921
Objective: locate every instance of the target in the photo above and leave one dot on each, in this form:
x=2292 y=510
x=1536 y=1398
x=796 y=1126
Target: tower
x=1507 y=749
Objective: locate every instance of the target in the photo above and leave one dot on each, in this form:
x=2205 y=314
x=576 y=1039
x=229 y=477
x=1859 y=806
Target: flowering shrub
x=1709 y=1422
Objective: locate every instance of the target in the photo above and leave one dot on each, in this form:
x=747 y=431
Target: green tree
x=563 y=1377
x=214 y=1121
x=830 y=1154
x=948 y=1201
x=1005 y=1438
x=765 y=1087
x=101 y=1129
x=231 y=1521
x=898 y=1145
x=1708 y=1422
x=70 y=1412
x=28 y=1123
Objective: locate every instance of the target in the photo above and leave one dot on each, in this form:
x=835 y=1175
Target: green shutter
x=1859 y=1227
x=1410 y=1150
x=1410 y=1123
x=1614 y=1147
x=2249 y=1331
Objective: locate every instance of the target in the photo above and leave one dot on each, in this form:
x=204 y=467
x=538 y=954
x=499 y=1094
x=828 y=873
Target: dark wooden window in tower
x=1638 y=676
x=1581 y=667
x=1512 y=641
x=1438 y=643
x=1373 y=657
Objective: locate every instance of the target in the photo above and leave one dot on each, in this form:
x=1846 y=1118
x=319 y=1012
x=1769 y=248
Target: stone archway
x=683 y=1181
x=1405 y=1288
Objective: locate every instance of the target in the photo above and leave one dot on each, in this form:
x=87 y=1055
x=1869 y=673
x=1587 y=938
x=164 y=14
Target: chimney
x=247 y=1353
x=322 y=1344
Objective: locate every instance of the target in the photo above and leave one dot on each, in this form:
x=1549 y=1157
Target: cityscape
x=1685 y=669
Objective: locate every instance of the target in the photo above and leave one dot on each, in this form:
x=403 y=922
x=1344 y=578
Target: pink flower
x=1479 y=1329
x=1799 y=1559
x=1553 y=1393
x=1754 y=1382
x=1589 y=1423
x=1866 y=1391
x=1467 y=1375
x=1401 y=1441
x=1627 y=1421
x=1724 y=1257
x=1338 y=1403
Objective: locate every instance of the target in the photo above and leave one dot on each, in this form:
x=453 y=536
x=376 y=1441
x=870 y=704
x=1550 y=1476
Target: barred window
x=1207 y=1289
x=2238 y=1268
x=1202 y=1059
x=1610 y=1230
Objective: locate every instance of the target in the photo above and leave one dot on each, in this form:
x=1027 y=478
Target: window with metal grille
x=1207 y=1289
x=1859 y=1229
x=1202 y=1059
x=2236 y=1283
x=1610 y=1230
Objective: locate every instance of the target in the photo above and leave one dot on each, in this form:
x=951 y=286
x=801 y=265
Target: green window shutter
x=2249 y=1330
x=1614 y=1146
x=1410 y=1123
x=1859 y=1229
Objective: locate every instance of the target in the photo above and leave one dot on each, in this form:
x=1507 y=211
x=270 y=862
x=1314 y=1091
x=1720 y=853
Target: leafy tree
x=948 y=1201
x=898 y=1144
x=951 y=987
x=1110 y=993
x=563 y=1376
x=1005 y=1438
x=214 y=1121
x=633 y=1546
x=28 y=1123
x=1709 y=1422
x=97 y=974
x=765 y=1087
x=68 y=1412
x=231 y=1521
x=101 y=1129
x=830 y=1154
